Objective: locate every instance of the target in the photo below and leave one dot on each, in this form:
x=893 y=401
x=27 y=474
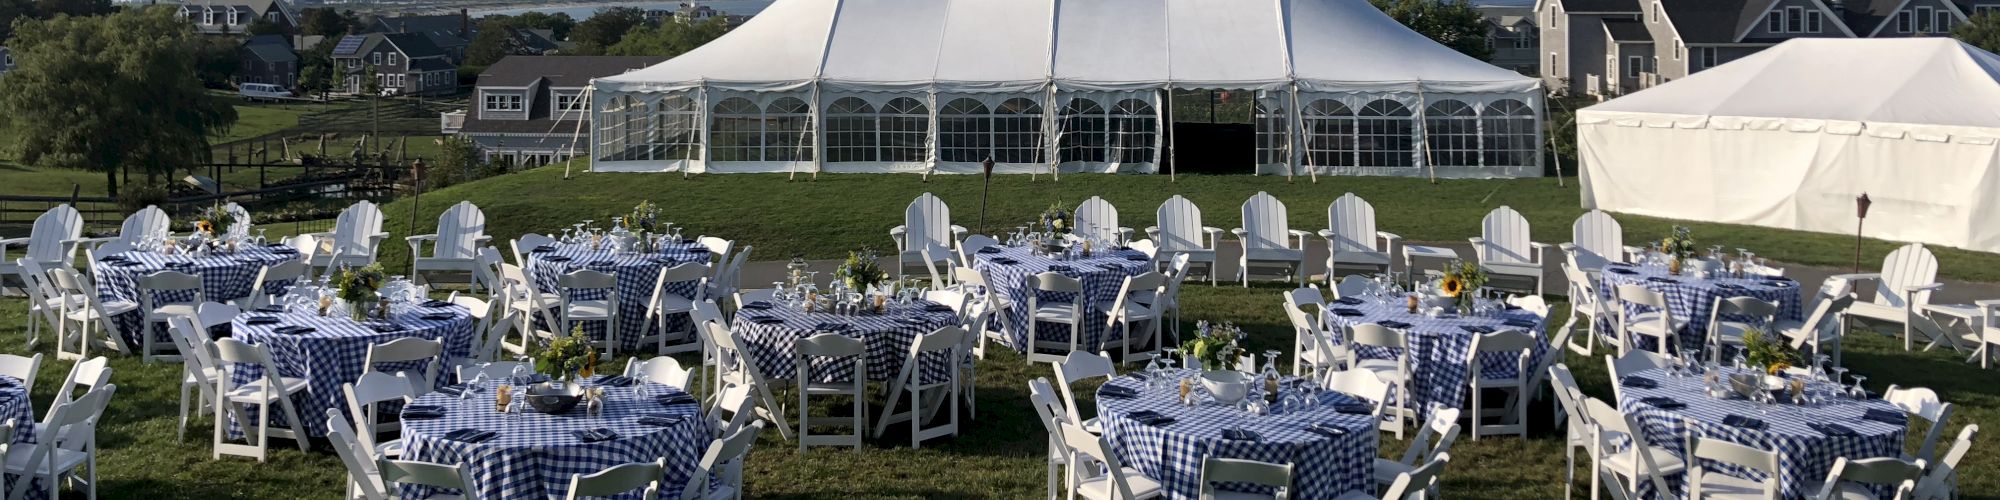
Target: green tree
x=324 y=21
x=668 y=39
x=558 y=23
x=1981 y=31
x=217 y=59
x=11 y=10
x=108 y=92
x=315 y=79
x=493 y=42
x=1453 y=23
x=605 y=29
x=262 y=26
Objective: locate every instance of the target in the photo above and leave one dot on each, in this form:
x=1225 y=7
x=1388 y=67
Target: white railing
x=449 y=123
x=1594 y=85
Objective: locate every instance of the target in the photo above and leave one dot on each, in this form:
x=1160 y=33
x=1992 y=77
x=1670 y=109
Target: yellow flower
x=1452 y=285
x=1777 y=368
x=204 y=226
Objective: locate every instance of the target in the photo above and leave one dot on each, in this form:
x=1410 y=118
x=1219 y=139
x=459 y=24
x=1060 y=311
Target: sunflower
x=1777 y=368
x=1452 y=285
x=204 y=226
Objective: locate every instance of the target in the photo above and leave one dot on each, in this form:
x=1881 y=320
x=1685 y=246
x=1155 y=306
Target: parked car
x=263 y=92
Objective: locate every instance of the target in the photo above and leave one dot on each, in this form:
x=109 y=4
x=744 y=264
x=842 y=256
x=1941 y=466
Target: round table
x=1013 y=270
x=1324 y=465
x=15 y=405
x=769 y=332
x=636 y=273
x=224 y=277
x=1439 y=345
x=1805 y=452
x=534 y=454
x=1690 y=298
x=333 y=354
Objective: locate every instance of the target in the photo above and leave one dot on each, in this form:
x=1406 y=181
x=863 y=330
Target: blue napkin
x=1004 y=260
x=1342 y=311
x=385 y=327
x=1886 y=416
x=602 y=262
x=829 y=326
x=294 y=330
x=765 y=320
x=270 y=309
x=452 y=390
x=261 y=320
x=938 y=308
x=1327 y=430
x=1621 y=270
x=679 y=398
x=1138 y=258
x=542 y=249
x=1352 y=301
x=1744 y=422
x=1239 y=434
x=436 y=303
x=422 y=413
x=616 y=381
x=1058 y=268
x=1355 y=409
x=1519 y=323
x=990 y=250
x=1395 y=324
x=756 y=306
x=1150 y=417
x=1660 y=279
x=661 y=419
x=557 y=258
x=438 y=316
x=1116 y=392
x=1476 y=328
x=1664 y=403
x=1730 y=286
x=113 y=258
x=594 y=435
x=1638 y=382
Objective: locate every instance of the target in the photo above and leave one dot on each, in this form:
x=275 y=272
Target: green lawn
x=256 y=119
x=837 y=213
x=997 y=456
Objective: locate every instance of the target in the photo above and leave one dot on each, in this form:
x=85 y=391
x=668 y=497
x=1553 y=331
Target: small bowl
x=546 y=398
x=1228 y=387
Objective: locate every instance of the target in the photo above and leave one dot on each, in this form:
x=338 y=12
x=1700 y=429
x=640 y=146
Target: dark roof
x=1631 y=6
x=1863 y=16
x=1713 y=21
x=430 y=64
x=1627 y=31
x=540 y=40
x=561 y=71
x=350 y=45
x=439 y=26
x=415 y=45
x=270 y=48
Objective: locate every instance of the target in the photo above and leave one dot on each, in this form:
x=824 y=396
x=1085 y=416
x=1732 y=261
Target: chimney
x=464 y=25
x=402 y=26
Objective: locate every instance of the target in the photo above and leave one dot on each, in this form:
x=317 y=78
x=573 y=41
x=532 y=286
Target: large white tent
x=1788 y=137
x=939 y=85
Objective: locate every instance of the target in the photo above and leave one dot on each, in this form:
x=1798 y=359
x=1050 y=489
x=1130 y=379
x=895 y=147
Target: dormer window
x=207 y=15
x=503 y=102
x=1795 y=19
x=232 y=17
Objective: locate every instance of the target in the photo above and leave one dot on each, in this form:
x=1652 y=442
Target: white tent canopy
x=1034 y=58
x=1788 y=138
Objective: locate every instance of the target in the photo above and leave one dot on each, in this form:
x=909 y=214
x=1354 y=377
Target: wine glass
x=1839 y=372
x=260 y=237
x=1859 y=391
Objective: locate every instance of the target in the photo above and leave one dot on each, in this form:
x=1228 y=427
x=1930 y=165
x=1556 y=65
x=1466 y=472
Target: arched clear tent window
x=851 y=131
x=619 y=137
x=1383 y=132
x=964 y=131
x=1508 y=131
x=1017 y=131
x=676 y=131
x=1133 y=125
x=1329 y=131
x=788 y=130
x=904 y=123
x=736 y=127
x=1084 y=124
x=1452 y=128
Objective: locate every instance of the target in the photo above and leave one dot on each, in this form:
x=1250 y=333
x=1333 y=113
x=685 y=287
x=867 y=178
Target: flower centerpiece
x=1462 y=282
x=1215 y=346
x=645 y=217
x=569 y=356
x=1678 y=246
x=211 y=219
x=1761 y=349
x=861 y=272
x=1056 y=219
x=358 y=288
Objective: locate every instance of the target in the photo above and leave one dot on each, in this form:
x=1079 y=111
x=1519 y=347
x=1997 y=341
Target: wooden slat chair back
x=1180 y=226
x=1265 y=223
x=1597 y=240
x=240 y=222
x=927 y=224
x=149 y=221
x=1506 y=236
x=355 y=228
x=1098 y=219
x=1909 y=266
x=46 y=241
x=459 y=231
x=1352 y=222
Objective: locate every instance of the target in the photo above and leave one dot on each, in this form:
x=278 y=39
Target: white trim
x=1891 y=18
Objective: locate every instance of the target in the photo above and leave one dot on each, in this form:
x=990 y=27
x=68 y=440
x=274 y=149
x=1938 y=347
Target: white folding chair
x=1049 y=408
x=722 y=455
x=728 y=278
x=1354 y=285
x=1822 y=329
x=88 y=374
x=1658 y=322
x=1505 y=248
x=1940 y=480
x=1921 y=404
x=734 y=407
x=1351 y=238
x=1705 y=483
x=1638 y=461
x=719 y=249
x=435 y=475
x=210 y=315
x=914 y=382
x=1170 y=302
x=660 y=370
x=526 y=304
x=45 y=302
x=1180 y=233
x=620 y=479
x=972 y=245
x=269 y=390
x=199 y=372
x=1071 y=314
x=664 y=304
x=50 y=459
x=363 y=480
x=1128 y=309
x=526 y=244
x=1115 y=481
x=842 y=350
x=1852 y=479
x=429 y=353
x=1077 y=367
x=1514 y=415
x=1730 y=317
x=1370 y=387
x=152 y=288
x=1394 y=371
x=744 y=371
x=1630 y=363
x=1412 y=485
x=90 y=316
x=1587 y=306
x=1239 y=471
x=1268 y=238
x=264 y=290
x=1432 y=440
x=461 y=231
x=1577 y=432
x=1315 y=347
x=575 y=309
x=363 y=395
x=21 y=368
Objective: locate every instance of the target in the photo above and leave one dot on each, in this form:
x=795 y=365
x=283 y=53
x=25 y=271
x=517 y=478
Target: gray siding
x=1555 y=46
x=1665 y=43
x=1803 y=10
x=1923 y=20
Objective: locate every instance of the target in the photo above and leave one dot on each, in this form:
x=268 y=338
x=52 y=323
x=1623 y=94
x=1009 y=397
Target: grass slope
x=997 y=456
x=837 y=213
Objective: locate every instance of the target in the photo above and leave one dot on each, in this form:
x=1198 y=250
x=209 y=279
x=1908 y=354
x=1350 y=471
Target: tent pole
x=1173 y=164
x=818 y=133
x=588 y=93
x=1048 y=130
x=1424 y=133
x=1542 y=146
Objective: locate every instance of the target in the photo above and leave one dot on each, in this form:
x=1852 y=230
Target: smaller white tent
x=1788 y=137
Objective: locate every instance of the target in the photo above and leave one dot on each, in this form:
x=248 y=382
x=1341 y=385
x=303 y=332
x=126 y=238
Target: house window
x=1632 y=66
x=1775 y=21
x=1795 y=18
x=1554 y=67
x=1981 y=10
x=1705 y=56
x=1678 y=48
x=1943 y=22
x=1923 y=19
x=1133 y=127
x=503 y=102
x=1273 y=129
x=1656 y=12
x=207 y=16
x=1904 y=24
x=392 y=58
x=1522 y=42
x=232 y=17
x=377 y=58
x=1815 y=20
x=564 y=103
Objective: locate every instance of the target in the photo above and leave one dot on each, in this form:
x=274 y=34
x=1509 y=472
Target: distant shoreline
x=482 y=8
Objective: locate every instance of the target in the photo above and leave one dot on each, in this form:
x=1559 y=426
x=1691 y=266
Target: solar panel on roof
x=348 y=45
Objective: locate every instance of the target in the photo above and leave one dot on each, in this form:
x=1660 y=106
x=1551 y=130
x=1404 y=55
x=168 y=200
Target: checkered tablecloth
x=888 y=336
x=1439 y=347
x=1690 y=299
x=1173 y=453
x=1102 y=274
x=1804 y=454
x=333 y=355
x=224 y=277
x=535 y=454
x=14 y=405
x=636 y=274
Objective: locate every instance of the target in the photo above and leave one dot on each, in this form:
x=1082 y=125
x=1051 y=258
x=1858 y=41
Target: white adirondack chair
x=240 y=223
x=1098 y=215
x=1596 y=239
x=1505 y=248
x=1180 y=233
x=50 y=244
x=461 y=231
x=1268 y=239
x=1902 y=289
x=356 y=234
x=149 y=221
x=1351 y=237
x=926 y=226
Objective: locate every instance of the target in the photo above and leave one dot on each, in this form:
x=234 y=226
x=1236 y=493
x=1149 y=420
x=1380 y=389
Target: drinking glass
x=1839 y=372
x=1859 y=392
x=260 y=237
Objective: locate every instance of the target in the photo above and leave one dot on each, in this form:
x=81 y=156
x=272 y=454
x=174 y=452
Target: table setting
x=523 y=436
x=1101 y=265
x=228 y=267
x=314 y=336
x=1806 y=416
x=629 y=251
x=860 y=303
x=1439 y=319
x=1165 y=422
x=1691 y=285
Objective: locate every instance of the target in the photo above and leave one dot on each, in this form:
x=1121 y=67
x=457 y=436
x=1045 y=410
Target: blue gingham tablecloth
x=1173 y=453
x=534 y=454
x=1439 y=347
x=334 y=354
x=636 y=272
x=224 y=277
x=1691 y=298
x=1804 y=454
x=888 y=336
x=14 y=405
x=1102 y=274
